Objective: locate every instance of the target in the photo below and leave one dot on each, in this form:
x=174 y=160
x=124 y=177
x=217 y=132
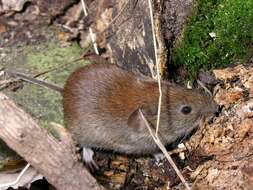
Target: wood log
x=123 y=27
x=53 y=158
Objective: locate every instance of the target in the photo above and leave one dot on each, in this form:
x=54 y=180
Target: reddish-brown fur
x=101 y=103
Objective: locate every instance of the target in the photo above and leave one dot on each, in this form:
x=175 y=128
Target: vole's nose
x=217 y=110
x=210 y=120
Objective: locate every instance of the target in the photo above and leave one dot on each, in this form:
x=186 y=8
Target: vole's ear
x=136 y=122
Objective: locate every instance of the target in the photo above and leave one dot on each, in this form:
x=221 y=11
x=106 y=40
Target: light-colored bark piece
x=53 y=158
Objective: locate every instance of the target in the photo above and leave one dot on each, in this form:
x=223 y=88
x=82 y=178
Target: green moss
x=54 y=56
x=231 y=21
x=45 y=104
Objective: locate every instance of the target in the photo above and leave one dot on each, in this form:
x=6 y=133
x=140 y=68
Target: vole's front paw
x=159 y=157
x=88 y=159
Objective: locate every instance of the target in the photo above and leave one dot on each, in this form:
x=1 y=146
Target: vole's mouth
x=187 y=135
x=182 y=138
x=211 y=118
x=211 y=115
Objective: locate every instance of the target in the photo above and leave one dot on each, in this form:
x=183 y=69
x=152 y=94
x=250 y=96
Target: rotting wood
x=125 y=30
x=123 y=27
x=53 y=158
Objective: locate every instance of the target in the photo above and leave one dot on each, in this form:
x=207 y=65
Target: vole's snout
x=216 y=112
x=210 y=120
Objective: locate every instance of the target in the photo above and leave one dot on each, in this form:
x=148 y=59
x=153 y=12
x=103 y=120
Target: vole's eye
x=186 y=110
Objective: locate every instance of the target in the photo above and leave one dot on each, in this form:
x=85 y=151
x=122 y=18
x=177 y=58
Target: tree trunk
x=124 y=28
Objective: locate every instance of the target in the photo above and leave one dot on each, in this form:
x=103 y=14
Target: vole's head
x=186 y=108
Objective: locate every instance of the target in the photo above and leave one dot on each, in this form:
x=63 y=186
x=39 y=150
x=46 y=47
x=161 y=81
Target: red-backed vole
x=101 y=103
x=101 y=108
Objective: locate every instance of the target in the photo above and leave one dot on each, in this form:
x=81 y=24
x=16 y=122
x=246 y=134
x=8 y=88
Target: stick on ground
x=55 y=159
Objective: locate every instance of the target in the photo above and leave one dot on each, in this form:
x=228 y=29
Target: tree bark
x=123 y=27
x=126 y=31
x=53 y=158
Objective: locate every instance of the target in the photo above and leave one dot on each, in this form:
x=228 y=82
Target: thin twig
x=153 y=30
x=157 y=68
x=62 y=66
x=53 y=68
x=42 y=83
x=163 y=149
x=155 y=137
x=92 y=35
x=18 y=178
x=5 y=83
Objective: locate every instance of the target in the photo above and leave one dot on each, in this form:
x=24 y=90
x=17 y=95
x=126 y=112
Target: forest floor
x=218 y=156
